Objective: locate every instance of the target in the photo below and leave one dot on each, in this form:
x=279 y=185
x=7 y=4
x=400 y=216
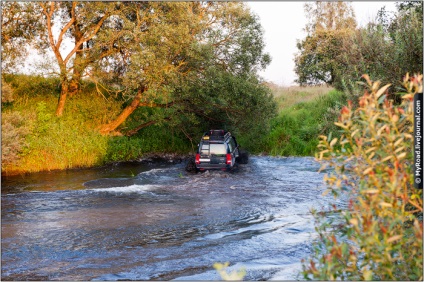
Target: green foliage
x=20 y=23
x=238 y=103
x=237 y=39
x=145 y=51
x=316 y=61
x=151 y=140
x=52 y=143
x=26 y=86
x=295 y=131
x=379 y=234
x=385 y=50
x=44 y=118
x=62 y=143
x=34 y=139
x=329 y=23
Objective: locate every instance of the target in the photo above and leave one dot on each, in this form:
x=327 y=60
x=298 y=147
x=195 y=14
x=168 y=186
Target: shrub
x=385 y=51
x=13 y=133
x=379 y=235
x=158 y=139
x=31 y=85
x=6 y=92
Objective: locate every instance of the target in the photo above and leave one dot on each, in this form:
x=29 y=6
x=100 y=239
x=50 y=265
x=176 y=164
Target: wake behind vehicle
x=218 y=149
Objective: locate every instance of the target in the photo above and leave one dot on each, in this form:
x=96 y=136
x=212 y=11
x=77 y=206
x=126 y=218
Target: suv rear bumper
x=212 y=166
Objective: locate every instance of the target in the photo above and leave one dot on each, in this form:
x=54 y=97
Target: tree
x=220 y=99
x=83 y=22
x=163 y=37
x=329 y=16
x=19 y=26
x=150 y=51
x=329 y=24
x=177 y=48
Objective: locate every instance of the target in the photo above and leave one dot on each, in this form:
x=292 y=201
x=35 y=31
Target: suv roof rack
x=216 y=135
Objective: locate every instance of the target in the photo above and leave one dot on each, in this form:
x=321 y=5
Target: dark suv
x=218 y=149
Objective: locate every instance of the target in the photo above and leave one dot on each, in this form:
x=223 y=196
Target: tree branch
x=85 y=39
x=50 y=32
x=156 y=105
x=66 y=27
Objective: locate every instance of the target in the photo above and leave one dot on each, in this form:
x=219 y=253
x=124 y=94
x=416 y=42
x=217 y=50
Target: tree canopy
x=336 y=52
x=19 y=27
x=329 y=23
x=150 y=54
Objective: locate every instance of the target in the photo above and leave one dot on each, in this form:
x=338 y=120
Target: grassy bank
x=304 y=114
x=34 y=139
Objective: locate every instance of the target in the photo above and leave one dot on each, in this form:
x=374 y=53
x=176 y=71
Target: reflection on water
x=157 y=222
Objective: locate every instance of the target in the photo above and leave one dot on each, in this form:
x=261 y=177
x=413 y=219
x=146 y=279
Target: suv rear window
x=218 y=149
x=209 y=149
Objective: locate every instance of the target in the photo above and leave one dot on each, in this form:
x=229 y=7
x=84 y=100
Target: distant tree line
x=188 y=64
x=338 y=52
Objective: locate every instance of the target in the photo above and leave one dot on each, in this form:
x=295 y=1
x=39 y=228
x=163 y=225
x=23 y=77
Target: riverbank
x=304 y=114
x=34 y=139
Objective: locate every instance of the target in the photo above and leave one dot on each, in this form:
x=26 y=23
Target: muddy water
x=157 y=222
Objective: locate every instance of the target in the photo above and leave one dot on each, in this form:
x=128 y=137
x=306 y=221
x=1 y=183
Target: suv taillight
x=197 y=159
x=229 y=159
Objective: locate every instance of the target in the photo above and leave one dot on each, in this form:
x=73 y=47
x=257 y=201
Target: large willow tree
x=179 y=44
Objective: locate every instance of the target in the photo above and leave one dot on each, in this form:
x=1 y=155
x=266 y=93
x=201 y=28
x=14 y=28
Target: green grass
x=305 y=113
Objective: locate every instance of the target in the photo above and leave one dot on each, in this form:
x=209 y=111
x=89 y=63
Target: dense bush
x=27 y=86
x=385 y=53
x=378 y=236
x=385 y=49
x=151 y=140
x=34 y=139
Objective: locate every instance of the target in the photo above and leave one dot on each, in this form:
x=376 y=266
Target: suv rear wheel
x=243 y=157
x=191 y=165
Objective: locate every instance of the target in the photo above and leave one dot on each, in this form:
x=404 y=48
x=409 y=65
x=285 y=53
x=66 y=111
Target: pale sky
x=284 y=21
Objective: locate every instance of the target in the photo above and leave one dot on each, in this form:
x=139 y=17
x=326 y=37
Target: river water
x=154 y=221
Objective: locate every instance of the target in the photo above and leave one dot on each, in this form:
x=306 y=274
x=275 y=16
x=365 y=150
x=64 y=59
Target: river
x=155 y=221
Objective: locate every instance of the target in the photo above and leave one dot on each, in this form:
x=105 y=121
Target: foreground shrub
x=378 y=236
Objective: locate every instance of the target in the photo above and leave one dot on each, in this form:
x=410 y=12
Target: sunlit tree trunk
x=79 y=62
x=82 y=31
x=62 y=99
x=108 y=128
